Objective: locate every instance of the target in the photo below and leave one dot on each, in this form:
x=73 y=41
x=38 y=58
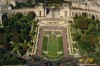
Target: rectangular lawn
x=52 y=44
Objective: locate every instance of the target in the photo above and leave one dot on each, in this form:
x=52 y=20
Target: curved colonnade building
x=64 y=12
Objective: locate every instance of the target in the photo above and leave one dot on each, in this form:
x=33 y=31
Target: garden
x=52 y=45
x=86 y=34
x=16 y=37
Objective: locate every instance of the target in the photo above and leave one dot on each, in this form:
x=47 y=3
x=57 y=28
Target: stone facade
x=65 y=11
x=13 y=1
x=41 y=11
x=62 y=12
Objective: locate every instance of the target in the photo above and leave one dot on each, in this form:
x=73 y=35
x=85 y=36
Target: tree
x=25 y=45
x=5 y=21
x=93 y=39
x=84 y=45
x=82 y=23
x=76 y=16
x=7 y=29
x=93 y=17
x=23 y=4
x=96 y=57
x=6 y=39
x=22 y=52
x=76 y=36
x=31 y=15
x=11 y=6
x=29 y=3
x=18 y=5
x=16 y=29
x=1 y=30
x=27 y=37
x=16 y=37
x=1 y=38
x=84 y=14
x=18 y=15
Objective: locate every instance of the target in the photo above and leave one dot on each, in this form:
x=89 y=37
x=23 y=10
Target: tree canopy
x=15 y=36
x=86 y=33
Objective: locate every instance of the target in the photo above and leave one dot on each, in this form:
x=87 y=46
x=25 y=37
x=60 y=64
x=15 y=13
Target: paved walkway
x=65 y=42
x=40 y=41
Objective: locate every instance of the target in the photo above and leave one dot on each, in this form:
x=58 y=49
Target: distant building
x=13 y=1
x=82 y=5
x=75 y=4
x=65 y=11
x=4 y=7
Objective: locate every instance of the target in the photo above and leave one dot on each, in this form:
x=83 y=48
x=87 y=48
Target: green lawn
x=52 y=44
x=45 y=41
x=60 y=42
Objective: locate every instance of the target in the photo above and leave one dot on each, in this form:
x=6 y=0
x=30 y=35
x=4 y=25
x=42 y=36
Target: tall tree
x=6 y=39
x=5 y=21
x=18 y=15
x=31 y=15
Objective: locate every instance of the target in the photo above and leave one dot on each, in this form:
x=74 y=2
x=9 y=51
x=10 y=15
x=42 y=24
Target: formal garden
x=85 y=32
x=16 y=37
x=52 y=45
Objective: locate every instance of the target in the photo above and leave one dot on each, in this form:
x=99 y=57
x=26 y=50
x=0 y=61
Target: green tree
x=76 y=16
x=76 y=36
x=1 y=38
x=31 y=15
x=18 y=5
x=93 y=17
x=6 y=39
x=84 y=14
x=29 y=3
x=18 y=15
x=93 y=39
x=82 y=23
x=16 y=37
x=7 y=29
x=85 y=46
x=1 y=30
x=5 y=21
x=11 y=6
